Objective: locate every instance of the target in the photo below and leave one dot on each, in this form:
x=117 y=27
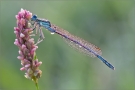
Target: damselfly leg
x=39 y=31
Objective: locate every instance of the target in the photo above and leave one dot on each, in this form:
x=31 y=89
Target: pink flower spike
x=26 y=45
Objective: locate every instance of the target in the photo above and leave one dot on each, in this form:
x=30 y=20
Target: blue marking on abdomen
x=51 y=30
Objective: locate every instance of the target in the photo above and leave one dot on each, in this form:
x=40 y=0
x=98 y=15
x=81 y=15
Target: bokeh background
x=109 y=24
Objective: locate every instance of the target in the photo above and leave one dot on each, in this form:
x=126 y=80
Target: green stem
x=37 y=86
x=36 y=82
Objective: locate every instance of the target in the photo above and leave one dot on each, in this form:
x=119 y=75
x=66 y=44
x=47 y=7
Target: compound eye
x=34 y=17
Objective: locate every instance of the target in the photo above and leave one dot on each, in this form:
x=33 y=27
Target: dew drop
x=52 y=32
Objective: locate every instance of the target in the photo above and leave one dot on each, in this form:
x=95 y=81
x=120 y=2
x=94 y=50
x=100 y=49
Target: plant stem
x=37 y=86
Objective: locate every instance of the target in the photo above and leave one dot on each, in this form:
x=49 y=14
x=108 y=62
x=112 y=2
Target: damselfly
x=72 y=40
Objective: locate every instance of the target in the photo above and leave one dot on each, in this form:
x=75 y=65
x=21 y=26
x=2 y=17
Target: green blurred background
x=109 y=24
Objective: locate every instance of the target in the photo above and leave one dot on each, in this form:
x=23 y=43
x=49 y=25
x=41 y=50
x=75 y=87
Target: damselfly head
x=34 y=17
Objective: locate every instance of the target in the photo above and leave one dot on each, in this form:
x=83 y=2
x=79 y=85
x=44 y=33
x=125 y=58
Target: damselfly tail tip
x=112 y=67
